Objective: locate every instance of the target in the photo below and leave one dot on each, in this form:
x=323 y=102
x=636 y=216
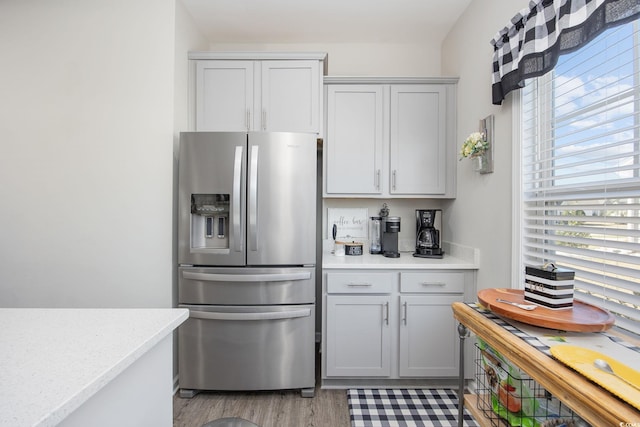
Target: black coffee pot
x=427 y=235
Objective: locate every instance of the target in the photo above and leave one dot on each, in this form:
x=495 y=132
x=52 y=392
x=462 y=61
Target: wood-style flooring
x=285 y=408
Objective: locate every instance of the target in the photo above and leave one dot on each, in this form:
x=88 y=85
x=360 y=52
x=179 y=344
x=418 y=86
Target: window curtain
x=534 y=39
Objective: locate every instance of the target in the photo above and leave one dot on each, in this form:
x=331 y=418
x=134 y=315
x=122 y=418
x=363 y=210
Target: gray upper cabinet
x=355 y=140
x=417 y=145
x=224 y=95
x=257 y=91
x=390 y=138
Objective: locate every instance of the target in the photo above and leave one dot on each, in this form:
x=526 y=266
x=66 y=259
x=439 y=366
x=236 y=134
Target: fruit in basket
x=509 y=398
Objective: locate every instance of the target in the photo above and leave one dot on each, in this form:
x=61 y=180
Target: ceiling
x=324 y=21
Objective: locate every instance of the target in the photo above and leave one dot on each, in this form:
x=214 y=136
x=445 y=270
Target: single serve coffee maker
x=390 y=230
x=427 y=235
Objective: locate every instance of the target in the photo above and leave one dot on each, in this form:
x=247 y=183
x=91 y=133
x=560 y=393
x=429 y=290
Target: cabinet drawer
x=352 y=283
x=433 y=282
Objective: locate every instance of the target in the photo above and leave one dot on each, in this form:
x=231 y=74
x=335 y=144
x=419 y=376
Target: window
x=580 y=163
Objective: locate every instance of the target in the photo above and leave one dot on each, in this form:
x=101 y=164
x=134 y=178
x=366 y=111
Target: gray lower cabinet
x=359 y=335
x=358 y=318
x=391 y=325
x=428 y=345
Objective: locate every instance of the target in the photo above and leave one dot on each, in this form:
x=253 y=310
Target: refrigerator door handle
x=253 y=200
x=270 y=315
x=269 y=277
x=237 y=181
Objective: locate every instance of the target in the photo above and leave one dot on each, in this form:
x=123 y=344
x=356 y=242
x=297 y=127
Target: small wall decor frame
x=484 y=163
x=352 y=223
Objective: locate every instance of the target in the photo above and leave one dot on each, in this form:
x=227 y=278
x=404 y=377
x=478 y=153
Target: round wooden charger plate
x=582 y=317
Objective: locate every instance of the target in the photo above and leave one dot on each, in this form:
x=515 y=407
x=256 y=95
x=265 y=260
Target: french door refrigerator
x=246 y=249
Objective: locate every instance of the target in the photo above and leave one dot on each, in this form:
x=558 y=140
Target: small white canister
x=338 y=249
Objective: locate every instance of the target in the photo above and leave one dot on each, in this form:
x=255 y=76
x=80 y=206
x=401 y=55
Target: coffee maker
x=390 y=230
x=427 y=235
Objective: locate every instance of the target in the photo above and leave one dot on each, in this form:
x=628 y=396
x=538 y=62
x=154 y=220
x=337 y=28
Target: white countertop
x=455 y=257
x=53 y=360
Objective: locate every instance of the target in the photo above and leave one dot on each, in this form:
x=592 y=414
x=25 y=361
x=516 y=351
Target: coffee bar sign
x=351 y=224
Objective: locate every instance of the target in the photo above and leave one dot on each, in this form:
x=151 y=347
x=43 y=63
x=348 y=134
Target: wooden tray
x=582 y=317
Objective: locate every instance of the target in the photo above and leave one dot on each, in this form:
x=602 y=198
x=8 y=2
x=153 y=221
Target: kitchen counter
x=67 y=366
x=456 y=257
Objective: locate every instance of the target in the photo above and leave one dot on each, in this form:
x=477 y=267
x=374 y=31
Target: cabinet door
x=355 y=133
x=224 y=95
x=290 y=96
x=417 y=140
x=358 y=335
x=428 y=336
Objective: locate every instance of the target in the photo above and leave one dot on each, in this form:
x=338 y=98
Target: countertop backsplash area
x=404 y=208
x=463 y=252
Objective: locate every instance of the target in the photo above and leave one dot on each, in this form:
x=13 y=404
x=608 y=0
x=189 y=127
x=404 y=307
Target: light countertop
x=455 y=257
x=54 y=360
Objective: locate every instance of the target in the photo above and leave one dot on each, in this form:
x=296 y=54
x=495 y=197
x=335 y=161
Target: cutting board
x=581 y=359
x=582 y=317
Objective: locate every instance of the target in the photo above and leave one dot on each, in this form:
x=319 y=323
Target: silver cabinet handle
x=359 y=285
x=268 y=277
x=270 y=315
x=264 y=119
x=376 y=179
x=237 y=183
x=404 y=315
x=393 y=179
x=386 y=313
x=433 y=284
x=253 y=199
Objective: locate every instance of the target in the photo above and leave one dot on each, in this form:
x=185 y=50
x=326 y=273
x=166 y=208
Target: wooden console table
x=590 y=401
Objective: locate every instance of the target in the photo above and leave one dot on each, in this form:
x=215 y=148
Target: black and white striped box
x=549 y=287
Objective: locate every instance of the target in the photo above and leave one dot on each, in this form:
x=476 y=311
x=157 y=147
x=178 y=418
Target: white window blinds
x=581 y=171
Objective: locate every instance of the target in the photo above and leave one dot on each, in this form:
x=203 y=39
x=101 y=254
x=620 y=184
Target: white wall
x=86 y=118
x=187 y=38
x=362 y=59
x=481 y=214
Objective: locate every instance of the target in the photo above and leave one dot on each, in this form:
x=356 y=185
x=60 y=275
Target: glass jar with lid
x=375 y=224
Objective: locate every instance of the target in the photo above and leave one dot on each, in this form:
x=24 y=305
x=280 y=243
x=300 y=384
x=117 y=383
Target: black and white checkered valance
x=530 y=45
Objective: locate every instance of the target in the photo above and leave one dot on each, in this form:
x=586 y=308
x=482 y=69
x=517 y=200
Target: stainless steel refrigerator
x=246 y=249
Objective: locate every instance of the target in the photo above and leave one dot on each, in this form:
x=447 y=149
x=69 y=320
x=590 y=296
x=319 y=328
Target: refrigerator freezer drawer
x=244 y=286
x=247 y=348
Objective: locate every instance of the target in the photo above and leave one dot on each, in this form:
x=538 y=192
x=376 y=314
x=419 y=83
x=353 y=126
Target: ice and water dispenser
x=210 y=221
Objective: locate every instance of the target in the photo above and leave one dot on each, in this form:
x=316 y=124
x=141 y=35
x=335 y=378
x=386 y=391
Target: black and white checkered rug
x=405 y=408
